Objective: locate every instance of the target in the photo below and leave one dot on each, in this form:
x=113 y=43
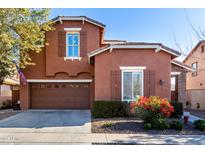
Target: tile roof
x=147 y=43
x=178 y=63
x=163 y=47
x=115 y=40
x=58 y=18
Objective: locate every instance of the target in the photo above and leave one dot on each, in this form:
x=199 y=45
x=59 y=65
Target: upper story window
x=73 y=44
x=202 y=49
x=194 y=67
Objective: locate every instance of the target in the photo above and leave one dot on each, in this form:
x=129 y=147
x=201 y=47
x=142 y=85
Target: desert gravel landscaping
x=133 y=126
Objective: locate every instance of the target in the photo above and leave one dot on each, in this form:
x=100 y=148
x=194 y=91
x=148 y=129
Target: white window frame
x=131 y=69
x=72 y=29
x=194 y=72
x=67 y=45
x=175 y=73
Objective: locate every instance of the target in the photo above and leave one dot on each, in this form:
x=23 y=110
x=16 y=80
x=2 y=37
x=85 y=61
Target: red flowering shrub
x=153 y=110
x=154 y=104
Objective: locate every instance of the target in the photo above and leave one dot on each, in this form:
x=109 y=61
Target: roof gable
x=193 y=50
x=81 y=18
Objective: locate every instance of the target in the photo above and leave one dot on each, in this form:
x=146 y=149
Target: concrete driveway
x=48 y=121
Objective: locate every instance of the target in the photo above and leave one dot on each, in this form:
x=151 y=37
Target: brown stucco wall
x=56 y=64
x=48 y=65
x=109 y=61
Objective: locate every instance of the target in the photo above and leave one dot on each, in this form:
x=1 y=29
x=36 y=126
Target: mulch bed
x=7 y=113
x=133 y=126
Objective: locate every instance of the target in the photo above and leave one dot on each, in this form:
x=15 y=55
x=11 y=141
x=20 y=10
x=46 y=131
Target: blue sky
x=145 y=25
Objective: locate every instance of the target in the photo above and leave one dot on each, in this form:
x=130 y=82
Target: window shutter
x=62 y=44
x=149 y=83
x=146 y=82
x=152 y=82
x=115 y=85
x=83 y=44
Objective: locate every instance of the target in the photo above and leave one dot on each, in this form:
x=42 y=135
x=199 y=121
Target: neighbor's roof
x=137 y=45
x=83 y=18
x=194 y=49
x=180 y=64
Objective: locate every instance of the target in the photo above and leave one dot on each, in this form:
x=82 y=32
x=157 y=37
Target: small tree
x=21 y=31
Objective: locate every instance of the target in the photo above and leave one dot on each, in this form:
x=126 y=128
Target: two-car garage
x=60 y=95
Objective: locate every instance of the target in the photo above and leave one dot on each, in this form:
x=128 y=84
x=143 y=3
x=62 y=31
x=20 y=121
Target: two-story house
x=196 y=80
x=80 y=66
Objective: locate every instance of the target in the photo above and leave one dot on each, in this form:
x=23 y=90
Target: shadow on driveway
x=47 y=118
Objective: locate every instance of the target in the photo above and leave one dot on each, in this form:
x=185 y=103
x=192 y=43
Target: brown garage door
x=60 y=95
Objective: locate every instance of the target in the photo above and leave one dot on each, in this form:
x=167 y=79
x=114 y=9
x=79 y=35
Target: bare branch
x=178 y=45
x=184 y=53
x=197 y=34
x=202 y=32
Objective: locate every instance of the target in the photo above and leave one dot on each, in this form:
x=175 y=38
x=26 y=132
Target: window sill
x=72 y=58
x=130 y=100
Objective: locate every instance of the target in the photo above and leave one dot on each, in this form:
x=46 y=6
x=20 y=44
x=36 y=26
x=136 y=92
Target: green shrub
x=178 y=109
x=200 y=125
x=176 y=125
x=107 y=124
x=159 y=123
x=6 y=104
x=109 y=109
x=147 y=126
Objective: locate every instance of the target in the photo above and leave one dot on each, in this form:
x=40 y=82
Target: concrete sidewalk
x=65 y=138
x=193 y=118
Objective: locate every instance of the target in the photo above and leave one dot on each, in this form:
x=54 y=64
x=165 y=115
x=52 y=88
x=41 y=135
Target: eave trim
x=59 y=81
x=78 y=18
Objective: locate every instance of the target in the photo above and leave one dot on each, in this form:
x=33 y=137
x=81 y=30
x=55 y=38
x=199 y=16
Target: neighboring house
x=79 y=66
x=196 y=79
x=8 y=90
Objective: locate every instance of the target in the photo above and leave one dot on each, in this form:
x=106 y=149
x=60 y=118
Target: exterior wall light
x=161 y=82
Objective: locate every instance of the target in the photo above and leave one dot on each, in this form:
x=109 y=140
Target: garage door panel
x=60 y=96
